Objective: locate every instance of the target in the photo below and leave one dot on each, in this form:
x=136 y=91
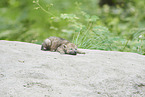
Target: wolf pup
x=60 y=45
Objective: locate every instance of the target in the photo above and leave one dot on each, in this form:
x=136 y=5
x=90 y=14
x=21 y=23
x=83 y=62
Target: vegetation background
x=118 y=25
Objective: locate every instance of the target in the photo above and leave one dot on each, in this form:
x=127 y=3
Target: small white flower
x=140 y=36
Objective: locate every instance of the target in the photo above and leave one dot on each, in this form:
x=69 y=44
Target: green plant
x=82 y=22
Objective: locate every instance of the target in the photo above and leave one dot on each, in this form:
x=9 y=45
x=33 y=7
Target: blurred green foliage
x=84 y=22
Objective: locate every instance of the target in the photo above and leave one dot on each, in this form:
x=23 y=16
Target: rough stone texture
x=26 y=71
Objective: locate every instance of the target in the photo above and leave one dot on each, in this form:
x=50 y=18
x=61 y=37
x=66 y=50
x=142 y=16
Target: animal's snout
x=73 y=52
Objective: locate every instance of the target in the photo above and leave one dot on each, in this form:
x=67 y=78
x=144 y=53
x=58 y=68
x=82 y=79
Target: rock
x=26 y=71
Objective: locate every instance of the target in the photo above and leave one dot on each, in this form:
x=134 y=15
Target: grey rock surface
x=26 y=71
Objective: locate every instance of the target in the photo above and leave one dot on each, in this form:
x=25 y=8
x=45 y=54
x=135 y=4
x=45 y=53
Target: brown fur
x=60 y=45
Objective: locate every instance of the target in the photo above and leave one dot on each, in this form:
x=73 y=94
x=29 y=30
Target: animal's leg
x=60 y=50
x=46 y=45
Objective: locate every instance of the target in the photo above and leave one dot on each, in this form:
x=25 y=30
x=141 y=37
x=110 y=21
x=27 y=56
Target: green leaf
x=94 y=18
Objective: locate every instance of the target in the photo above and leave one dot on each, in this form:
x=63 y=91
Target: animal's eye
x=71 y=49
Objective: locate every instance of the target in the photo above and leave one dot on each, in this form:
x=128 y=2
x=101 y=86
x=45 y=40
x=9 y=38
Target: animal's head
x=70 y=48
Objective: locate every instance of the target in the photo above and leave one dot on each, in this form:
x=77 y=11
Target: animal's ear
x=64 y=46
